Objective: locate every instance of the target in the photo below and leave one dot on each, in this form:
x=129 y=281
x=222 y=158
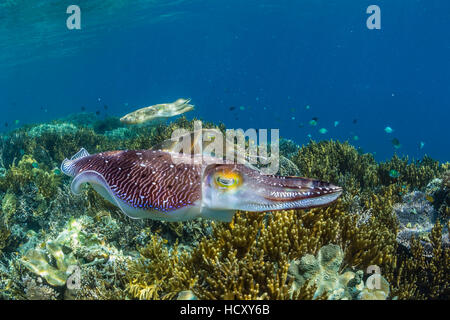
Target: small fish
x=355 y=121
x=83 y=108
x=422 y=144
x=429 y=198
x=57 y=172
x=301 y=125
x=396 y=143
x=323 y=130
x=336 y=123
x=35 y=165
x=394 y=174
x=309 y=135
x=315 y=118
x=97 y=112
x=292 y=118
x=242 y=108
x=292 y=110
x=313 y=122
x=16 y=122
x=308 y=107
x=356 y=138
x=388 y=130
x=232 y=108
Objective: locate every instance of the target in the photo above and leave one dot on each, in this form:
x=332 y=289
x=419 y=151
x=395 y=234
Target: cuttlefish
x=157 y=111
x=154 y=184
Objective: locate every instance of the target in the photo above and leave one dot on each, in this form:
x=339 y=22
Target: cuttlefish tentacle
x=149 y=184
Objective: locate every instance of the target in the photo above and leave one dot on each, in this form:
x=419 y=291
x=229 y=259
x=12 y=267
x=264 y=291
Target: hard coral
x=250 y=257
x=324 y=272
x=416 y=276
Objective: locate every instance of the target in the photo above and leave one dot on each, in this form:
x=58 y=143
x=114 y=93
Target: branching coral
x=4 y=235
x=415 y=276
x=159 y=273
x=249 y=258
x=334 y=161
x=416 y=175
x=28 y=172
x=342 y=164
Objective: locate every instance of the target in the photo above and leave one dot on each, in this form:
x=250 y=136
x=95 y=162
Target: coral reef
x=321 y=253
x=36 y=261
x=323 y=272
x=416 y=217
x=416 y=276
x=250 y=258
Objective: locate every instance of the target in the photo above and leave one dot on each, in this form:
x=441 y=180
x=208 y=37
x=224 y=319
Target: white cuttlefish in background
x=158 y=111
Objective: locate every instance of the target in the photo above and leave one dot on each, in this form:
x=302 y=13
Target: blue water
x=273 y=58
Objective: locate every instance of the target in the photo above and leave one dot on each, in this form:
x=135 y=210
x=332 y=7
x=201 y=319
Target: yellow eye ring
x=227 y=180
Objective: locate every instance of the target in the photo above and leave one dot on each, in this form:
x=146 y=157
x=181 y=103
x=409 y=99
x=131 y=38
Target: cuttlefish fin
x=67 y=166
x=80 y=154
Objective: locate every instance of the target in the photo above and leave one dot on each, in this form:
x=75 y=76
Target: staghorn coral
x=334 y=161
x=28 y=171
x=159 y=273
x=342 y=164
x=416 y=175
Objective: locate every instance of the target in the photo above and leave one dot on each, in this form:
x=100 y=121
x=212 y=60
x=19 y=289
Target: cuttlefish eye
x=227 y=180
